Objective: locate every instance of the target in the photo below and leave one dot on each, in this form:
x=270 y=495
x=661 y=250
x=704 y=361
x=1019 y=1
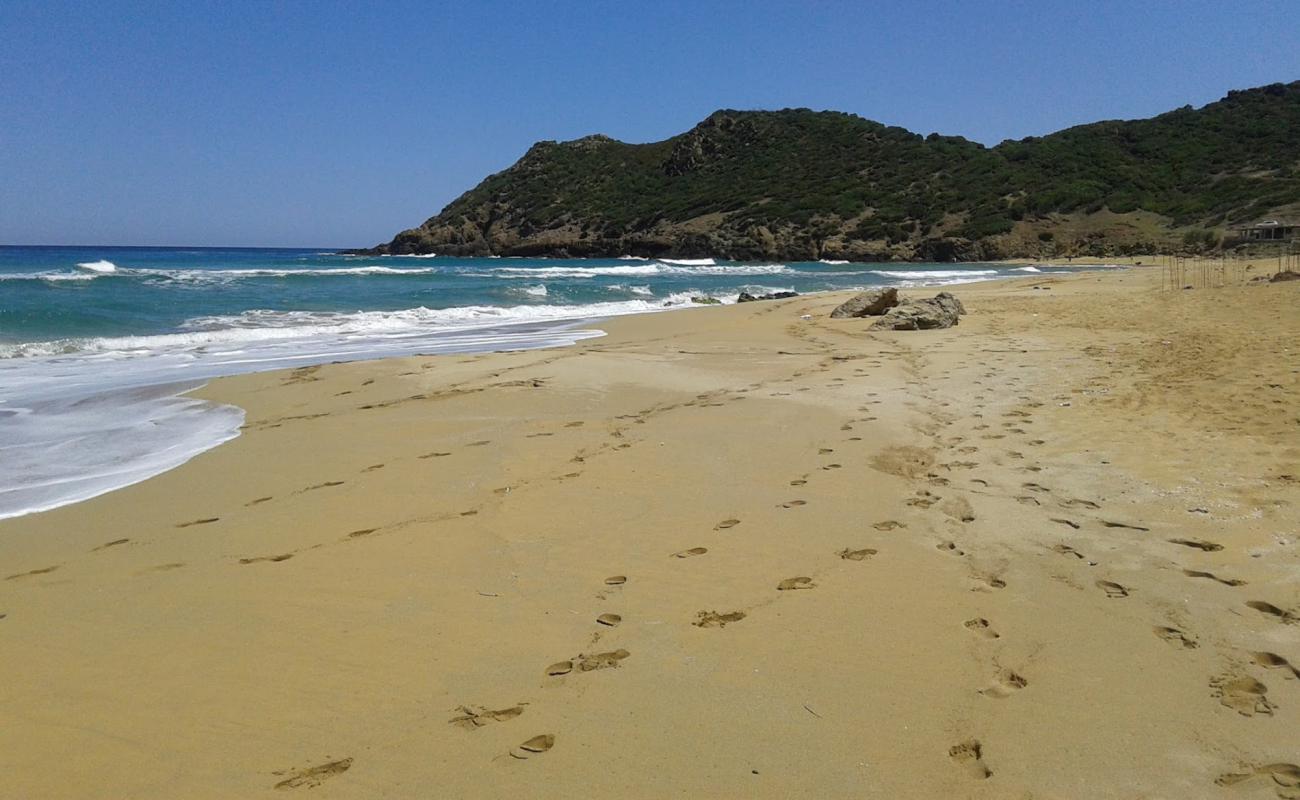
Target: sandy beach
x=733 y=552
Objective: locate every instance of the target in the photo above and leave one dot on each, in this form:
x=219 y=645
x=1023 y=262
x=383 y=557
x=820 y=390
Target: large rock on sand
x=868 y=304
x=940 y=311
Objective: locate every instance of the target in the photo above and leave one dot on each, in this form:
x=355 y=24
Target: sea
x=98 y=345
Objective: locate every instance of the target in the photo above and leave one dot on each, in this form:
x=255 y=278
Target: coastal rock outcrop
x=746 y=297
x=941 y=311
x=871 y=303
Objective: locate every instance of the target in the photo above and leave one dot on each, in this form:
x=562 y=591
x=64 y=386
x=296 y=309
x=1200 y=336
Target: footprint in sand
x=325 y=485
x=588 y=663
x=281 y=557
x=1110 y=524
x=107 y=545
x=373 y=467
x=985 y=582
x=856 y=555
x=311 y=777
x=714 y=619
x=1286 y=778
x=616 y=580
x=1196 y=573
x=609 y=620
x=1242 y=694
x=794 y=503
x=205 y=521
x=1061 y=520
x=472 y=719
x=950 y=548
x=433 y=455
x=694 y=551
x=362 y=532
x=969 y=755
x=888 y=525
x=798 y=482
x=726 y=523
x=1076 y=503
x=534 y=746
x=1273 y=611
x=259 y=501
x=982 y=628
x=1112 y=589
x=1199 y=544
x=32 y=572
x=959 y=508
x=479 y=443
x=1176 y=637
x=1066 y=550
x=790 y=584
x=1005 y=683
x=1275 y=661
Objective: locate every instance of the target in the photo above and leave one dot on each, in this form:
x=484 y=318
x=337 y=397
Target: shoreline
x=36 y=486
x=950 y=539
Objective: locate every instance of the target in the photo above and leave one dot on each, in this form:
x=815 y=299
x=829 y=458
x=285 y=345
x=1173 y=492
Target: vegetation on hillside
x=804 y=184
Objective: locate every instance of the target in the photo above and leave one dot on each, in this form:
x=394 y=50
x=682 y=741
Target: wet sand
x=726 y=552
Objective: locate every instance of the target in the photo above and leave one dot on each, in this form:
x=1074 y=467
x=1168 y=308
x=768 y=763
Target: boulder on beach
x=746 y=297
x=872 y=303
x=941 y=311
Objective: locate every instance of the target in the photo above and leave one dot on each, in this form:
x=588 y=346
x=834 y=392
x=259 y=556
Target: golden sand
x=726 y=552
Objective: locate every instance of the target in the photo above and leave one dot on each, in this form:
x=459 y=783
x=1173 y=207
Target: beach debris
x=867 y=304
x=746 y=297
x=940 y=311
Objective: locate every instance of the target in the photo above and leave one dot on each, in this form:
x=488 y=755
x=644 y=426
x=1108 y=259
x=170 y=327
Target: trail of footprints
x=592 y=660
x=1235 y=689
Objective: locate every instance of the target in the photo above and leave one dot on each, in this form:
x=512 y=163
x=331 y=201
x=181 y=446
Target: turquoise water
x=99 y=344
x=46 y=297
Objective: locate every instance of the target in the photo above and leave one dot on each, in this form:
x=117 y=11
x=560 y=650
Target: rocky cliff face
x=804 y=185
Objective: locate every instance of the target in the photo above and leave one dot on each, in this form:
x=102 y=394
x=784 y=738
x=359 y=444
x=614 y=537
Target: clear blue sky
x=337 y=124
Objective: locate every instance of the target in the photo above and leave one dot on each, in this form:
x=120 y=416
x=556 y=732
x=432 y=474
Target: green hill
x=801 y=184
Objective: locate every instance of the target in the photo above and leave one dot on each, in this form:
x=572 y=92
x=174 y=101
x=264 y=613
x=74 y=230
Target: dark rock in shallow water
x=941 y=311
x=706 y=301
x=868 y=304
x=746 y=297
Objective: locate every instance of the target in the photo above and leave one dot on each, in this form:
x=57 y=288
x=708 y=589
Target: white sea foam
x=81 y=417
x=689 y=262
x=98 y=267
x=1028 y=269
x=536 y=291
x=833 y=261
x=932 y=274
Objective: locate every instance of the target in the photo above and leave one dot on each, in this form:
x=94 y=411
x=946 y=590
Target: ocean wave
x=100 y=267
x=1028 y=269
x=932 y=274
x=832 y=261
x=690 y=262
